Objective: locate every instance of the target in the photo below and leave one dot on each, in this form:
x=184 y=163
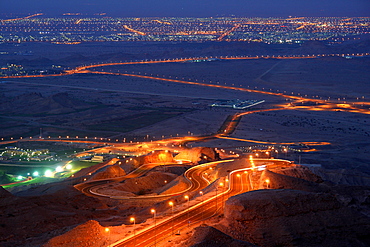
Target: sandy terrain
x=116 y=106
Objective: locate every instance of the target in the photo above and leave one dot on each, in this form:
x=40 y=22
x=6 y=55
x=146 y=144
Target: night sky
x=191 y=8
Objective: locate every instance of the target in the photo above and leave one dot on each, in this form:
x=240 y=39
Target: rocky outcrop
x=279 y=181
x=162 y=157
x=175 y=186
x=88 y=234
x=301 y=172
x=207 y=236
x=294 y=218
x=4 y=194
x=146 y=184
x=109 y=172
x=29 y=221
x=159 y=156
x=342 y=176
x=198 y=155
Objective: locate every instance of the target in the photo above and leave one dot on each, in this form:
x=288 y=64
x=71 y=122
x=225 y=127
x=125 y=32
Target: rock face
x=207 y=236
x=146 y=184
x=280 y=181
x=159 y=156
x=342 y=176
x=30 y=221
x=90 y=233
x=109 y=172
x=294 y=218
x=301 y=172
x=4 y=194
x=198 y=155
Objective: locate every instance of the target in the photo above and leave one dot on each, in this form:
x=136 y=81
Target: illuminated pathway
x=238 y=184
x=239 y=181
x=321 y=105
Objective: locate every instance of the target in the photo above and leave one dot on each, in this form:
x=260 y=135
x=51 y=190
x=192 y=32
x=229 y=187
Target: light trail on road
x=275 y=143
x=133 y=30
x=21 y=18
x=239 y=182
x=228 y=32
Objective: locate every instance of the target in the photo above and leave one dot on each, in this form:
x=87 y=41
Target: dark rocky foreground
x=295 y=218
x=299 y=209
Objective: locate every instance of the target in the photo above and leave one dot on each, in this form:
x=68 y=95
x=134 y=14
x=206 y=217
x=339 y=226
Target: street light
x=222 y=185
x=171 y=204
x=108 y=231
x=132 y=219
x=268 y=183
x=201 y=196
x=187 y=198
x=155 y=225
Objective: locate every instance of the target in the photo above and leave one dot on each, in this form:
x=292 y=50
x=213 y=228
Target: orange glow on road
x=22 y=18
x=296 y=102
x=163 y=22
x=133 y=30
x=228 y=32
x=275 y=143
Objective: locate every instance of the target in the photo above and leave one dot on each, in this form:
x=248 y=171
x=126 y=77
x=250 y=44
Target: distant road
x=21 y=18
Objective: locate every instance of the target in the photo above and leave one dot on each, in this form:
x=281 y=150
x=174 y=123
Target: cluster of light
x=75 y=29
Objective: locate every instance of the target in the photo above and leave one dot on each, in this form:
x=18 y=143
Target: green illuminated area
x=21 y=166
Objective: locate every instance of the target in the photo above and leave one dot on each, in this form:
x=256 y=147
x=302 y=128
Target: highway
x=240 y=181
x=193 y=175
x=320 y=105
x=87 y=187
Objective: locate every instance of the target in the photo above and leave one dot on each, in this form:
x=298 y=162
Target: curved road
x=240 y=181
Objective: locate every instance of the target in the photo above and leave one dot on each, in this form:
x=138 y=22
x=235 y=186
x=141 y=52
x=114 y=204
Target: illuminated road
x=133 y=30
x=228 y=32
x=87 y=187
x=240 y=181
x=193 y=175
x=321 y=105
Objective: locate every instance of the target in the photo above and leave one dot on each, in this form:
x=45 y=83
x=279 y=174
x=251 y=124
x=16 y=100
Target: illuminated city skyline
x=72 y=28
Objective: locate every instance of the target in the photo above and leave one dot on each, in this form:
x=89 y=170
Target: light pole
x=239 y=176
x=132 y=219
x=155 y=225
x=108 y=231
x=171 y=204
x=216 y=198
x=222 y=203
x=187 y=198
x=268 y=154
x=201 y=196
x=267 y=183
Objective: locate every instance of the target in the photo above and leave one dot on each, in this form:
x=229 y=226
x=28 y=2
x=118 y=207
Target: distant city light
x=35 y=174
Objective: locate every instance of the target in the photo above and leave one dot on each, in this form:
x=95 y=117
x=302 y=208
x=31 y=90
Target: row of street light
x=186 y=197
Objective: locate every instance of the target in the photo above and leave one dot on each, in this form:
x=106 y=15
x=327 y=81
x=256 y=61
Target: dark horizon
x=191 y=8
